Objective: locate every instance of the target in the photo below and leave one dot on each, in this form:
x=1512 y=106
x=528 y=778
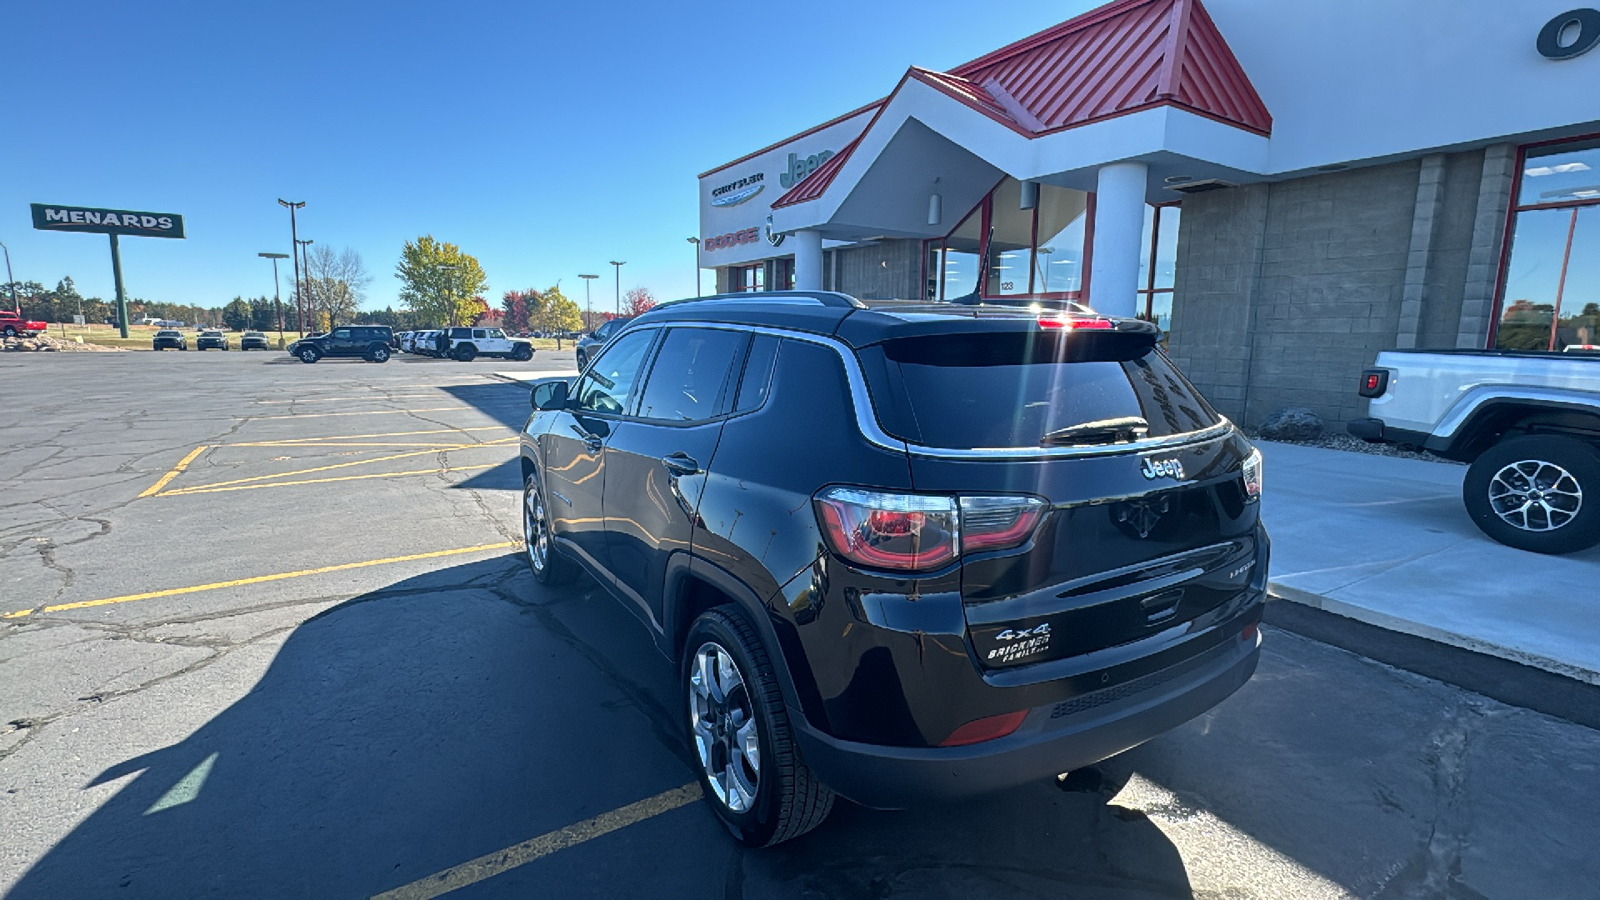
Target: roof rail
x=826 y=298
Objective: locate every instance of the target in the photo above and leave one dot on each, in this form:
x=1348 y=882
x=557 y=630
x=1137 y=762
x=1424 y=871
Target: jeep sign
x=107 y=221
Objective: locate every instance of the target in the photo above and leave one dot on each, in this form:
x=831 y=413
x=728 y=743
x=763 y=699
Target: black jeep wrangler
x=903 y=551
x=369 y=342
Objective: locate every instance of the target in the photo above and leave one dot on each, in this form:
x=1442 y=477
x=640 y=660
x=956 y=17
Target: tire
x=10 y=331
x=1539 y=493
x=523 y=353
x=548 y=565
x=465 y=353
x=309 y=355
x=787 y=800
x=583 y=360
x=378 y=354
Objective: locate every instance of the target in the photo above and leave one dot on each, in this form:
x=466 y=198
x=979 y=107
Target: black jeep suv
x=903 y=552
x=370 y=342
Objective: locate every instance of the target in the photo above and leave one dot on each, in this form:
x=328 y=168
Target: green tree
x=236 y=315
x=556 y=312
x=440 y=283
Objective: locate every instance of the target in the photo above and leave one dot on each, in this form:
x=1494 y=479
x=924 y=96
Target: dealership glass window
x=748 y=278
x=1063 y=231
x=1550 y=292
x=1158 y=267
x=782 y=274
x=1010 y=242
x=959 y=257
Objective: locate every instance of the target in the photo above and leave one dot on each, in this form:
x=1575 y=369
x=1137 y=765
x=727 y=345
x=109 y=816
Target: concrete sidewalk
x=1387 y=541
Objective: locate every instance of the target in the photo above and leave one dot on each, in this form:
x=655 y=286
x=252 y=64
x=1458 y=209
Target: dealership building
x=1285 y=188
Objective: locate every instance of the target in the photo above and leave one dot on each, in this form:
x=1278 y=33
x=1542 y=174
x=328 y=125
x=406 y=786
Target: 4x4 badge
x=1162 y=468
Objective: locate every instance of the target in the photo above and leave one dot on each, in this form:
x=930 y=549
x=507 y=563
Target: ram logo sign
x=107 y=221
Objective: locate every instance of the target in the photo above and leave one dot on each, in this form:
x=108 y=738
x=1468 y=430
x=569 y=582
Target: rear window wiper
x=1104 y=431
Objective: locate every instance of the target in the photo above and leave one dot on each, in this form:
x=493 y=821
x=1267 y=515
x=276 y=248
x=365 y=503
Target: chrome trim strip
x=867 y=419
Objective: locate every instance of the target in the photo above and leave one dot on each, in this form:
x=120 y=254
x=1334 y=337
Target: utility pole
x=12 y=281
x=294 y=235
x=588 y=304
x=311 y=313
x=696 y=242
x=619 y=266
x=277 y=299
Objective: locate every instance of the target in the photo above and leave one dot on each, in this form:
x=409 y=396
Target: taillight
x=1252 y=476
x=917 y=532
x=986 y=729
x=1374 y=382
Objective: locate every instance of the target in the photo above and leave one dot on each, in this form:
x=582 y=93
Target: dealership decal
x=1580 y=26
x=732 y=239
x=1022 y=642
x=800 y=168
x=106 y=221
x=737 y=192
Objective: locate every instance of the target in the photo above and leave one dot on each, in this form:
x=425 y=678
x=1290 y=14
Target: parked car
x=166 y=338
x=590 y=344
x=467 y=344
x=957 y=595
x=1528 y=422
x=426 y=342
x=209 y=339
x=254 y=340
x=13 y=325
x=369 y=342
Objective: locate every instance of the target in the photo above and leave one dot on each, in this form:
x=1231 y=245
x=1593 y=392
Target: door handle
x=680 y=464
x=593 y=443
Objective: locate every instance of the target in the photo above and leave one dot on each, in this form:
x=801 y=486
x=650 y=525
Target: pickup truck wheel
x=309 y=354
x=750 y=767
x=1539 y=493
x=10 y=331
x=546 y=562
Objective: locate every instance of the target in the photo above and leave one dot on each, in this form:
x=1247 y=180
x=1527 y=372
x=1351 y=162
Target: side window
x=343 y=334
x=690 y=374
x=479 y=333
x=756 y=381
x=611 y=378
x=605 y=330
x=495 y=333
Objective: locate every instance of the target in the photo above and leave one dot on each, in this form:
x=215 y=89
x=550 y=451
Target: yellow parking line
x=184 y=492
x=274 y=444
x=176 y=471
x=367 y=412
x=239 y=582
x=351 y=437
x=492 y=864
x=344 y=465
x=346 y=399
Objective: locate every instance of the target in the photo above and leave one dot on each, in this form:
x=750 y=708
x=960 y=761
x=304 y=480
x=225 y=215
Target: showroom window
x=1044 y=251
x=1550 y=289
x=748 y=278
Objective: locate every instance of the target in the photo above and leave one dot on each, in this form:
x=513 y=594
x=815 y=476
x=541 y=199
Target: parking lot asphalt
x=265 y=631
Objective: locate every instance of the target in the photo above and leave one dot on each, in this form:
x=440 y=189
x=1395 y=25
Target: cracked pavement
x=344 y=733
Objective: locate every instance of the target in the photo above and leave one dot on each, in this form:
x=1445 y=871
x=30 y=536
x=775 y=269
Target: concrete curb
x=1496 y=672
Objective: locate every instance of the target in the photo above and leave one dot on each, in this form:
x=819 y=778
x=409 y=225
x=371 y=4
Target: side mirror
x=550 y=395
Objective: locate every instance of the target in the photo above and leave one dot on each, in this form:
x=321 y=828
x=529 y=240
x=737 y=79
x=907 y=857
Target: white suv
x=469 y=343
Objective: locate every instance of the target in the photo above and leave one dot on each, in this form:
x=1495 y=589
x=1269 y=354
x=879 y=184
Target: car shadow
x=449 y=716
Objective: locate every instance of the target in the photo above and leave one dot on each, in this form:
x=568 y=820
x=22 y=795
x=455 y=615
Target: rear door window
x=1011 y=389
x=690 y=374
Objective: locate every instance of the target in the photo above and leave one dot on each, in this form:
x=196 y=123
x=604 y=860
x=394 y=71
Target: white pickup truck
x=1528 y=422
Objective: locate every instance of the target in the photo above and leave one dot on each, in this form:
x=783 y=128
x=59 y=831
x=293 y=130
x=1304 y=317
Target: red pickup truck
x=12 y=325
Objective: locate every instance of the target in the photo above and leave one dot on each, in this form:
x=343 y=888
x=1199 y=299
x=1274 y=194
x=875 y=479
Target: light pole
x=588 y=304
x=619 y=266
x=277 y=298
x=294 y=235
x=305 y=252
x=13 y=282
x=450 y=291
x=696 y=242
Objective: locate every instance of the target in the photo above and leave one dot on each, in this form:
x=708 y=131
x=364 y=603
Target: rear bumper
x=1366 y=429
x=1053 y=739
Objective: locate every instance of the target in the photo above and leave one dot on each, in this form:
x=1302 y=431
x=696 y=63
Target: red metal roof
x=1124 y=57
x=1120 y=58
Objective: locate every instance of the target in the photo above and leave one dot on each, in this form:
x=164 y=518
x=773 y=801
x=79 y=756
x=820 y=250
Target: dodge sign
x=107 y=221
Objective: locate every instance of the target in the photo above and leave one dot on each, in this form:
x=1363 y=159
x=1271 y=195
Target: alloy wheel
x=722 y=717
x=535 y=535
x=1535 y=495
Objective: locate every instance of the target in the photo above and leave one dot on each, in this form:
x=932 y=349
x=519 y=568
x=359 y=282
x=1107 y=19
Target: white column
x=807 y=260
x=1118 y=226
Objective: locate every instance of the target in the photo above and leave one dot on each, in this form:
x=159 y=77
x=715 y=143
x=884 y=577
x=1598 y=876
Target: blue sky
x=544 y=138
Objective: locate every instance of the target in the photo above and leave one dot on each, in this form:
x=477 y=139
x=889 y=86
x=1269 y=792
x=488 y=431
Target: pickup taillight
x=1374 y=382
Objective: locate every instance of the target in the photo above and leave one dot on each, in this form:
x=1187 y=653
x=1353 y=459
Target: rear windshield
x=970 y=391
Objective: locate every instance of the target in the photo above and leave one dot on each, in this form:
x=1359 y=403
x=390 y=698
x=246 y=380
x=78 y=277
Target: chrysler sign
x=107 y=221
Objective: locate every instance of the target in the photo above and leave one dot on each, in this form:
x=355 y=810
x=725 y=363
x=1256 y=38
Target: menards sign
x=107 y=221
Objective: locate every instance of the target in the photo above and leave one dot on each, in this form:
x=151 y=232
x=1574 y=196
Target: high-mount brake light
x=1074 y=324
x=916 y=532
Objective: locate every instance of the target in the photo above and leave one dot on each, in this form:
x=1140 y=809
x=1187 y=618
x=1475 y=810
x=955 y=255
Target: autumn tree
x=556 y=312
x=517 y=308
x=638 y=301
x=439 y=283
